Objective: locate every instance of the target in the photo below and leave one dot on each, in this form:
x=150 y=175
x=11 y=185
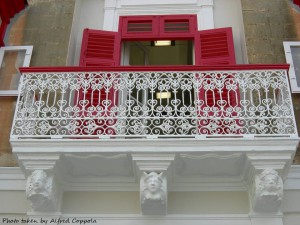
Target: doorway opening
x=144 y=53
x=165 y=99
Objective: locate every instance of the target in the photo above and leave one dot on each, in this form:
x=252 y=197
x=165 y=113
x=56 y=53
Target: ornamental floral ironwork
x=153 y=104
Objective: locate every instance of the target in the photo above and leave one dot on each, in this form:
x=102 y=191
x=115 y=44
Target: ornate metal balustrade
x=154 y=102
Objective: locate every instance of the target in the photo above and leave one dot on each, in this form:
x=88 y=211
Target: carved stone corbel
x=153 y=193
x=267 y=191
x=41 y=191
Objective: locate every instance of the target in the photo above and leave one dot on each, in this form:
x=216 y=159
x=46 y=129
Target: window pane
x=9 y=74
x=295 y=50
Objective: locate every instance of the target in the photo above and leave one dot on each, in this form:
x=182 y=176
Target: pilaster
x=205 y=14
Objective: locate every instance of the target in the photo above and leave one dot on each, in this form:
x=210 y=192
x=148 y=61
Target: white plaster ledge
x=12 y=178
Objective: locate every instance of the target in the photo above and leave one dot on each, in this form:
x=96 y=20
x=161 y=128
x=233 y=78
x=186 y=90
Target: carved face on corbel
x=270 y=183
x=153 y=187
x=37 y=182
x=153 y=182
x=268 y=191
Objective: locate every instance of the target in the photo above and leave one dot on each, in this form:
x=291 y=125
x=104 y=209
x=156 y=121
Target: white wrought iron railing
x=154 y=102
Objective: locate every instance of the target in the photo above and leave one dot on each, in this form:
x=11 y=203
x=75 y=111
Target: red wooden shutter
x=153 y=27
x=179 y=26
x=216 y=47
x=100 y=48
x=139 y=27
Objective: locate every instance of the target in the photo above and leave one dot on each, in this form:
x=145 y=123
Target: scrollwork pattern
x=127 y=104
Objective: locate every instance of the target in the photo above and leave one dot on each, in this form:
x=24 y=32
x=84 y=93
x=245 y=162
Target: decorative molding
x=257 y=162
x=12 y=179
x=198 y=165
x=211 y=155
x=98 y=165
x=157 y=162
x=113 y=9
x=153 y=193
x=267 y=191
x=206 y=2
x=34 y=147
x=37 y=160
x=42 y=192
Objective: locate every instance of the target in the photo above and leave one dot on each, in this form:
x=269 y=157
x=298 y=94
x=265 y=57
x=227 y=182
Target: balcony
x=204 y=128
x=185 y=102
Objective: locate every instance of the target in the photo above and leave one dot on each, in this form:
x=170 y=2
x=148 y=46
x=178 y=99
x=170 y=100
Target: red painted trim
x=2 y=33
x=8 y=9
x=296 y=2
x=157 y=68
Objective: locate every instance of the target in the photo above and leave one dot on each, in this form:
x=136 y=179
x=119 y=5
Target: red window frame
x=158 y=27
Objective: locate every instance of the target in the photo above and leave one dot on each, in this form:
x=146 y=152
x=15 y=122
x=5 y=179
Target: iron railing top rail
x=156 y=68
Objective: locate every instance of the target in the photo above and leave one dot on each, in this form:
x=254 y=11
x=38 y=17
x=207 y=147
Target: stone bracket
x=153 y=181
x=265 y=174
x=43 y=192
x=42 y=187
x=153 y=193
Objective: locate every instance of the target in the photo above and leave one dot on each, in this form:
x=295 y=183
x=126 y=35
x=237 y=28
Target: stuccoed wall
x=48 y=26
x=45 y=24
x=267 y=24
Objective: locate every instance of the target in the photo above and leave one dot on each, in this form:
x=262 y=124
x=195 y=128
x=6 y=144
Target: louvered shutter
x=179 y=26
x=99 y=48
x=153 y=27
x=139 y=27
x=216 y=47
